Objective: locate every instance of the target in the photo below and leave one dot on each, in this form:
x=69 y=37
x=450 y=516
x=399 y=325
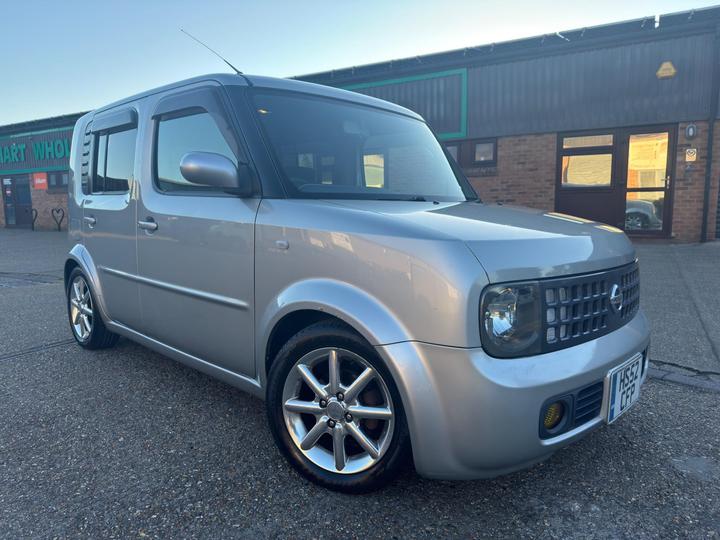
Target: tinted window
x=178 y=136
x=115 y=161
x=98 y=180
x=329 y=148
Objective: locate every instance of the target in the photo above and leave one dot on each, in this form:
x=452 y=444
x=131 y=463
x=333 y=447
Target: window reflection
x=374 y=165
x=644 y=210
x=591 y=170
x=585 y=141
x=647 y=160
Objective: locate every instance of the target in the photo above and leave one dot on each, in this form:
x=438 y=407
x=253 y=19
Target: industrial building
x=613 y=123
x=616 y=123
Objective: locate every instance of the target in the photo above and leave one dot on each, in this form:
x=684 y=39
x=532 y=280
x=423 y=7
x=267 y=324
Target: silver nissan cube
x=319 y=249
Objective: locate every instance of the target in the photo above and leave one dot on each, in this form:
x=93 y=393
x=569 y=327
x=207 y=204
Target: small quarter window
x=181 y=135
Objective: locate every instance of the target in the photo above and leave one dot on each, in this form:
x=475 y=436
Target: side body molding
x=363 y=312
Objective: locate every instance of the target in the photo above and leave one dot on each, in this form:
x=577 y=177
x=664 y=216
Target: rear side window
x=115 y=161
x=178 y=136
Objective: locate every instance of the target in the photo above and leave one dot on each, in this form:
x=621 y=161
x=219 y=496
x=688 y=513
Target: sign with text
x=38 y=151
x=690 y=154
x=40 y=180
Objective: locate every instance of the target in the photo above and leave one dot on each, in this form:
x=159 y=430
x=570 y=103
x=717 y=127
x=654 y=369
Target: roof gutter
x=712 y=117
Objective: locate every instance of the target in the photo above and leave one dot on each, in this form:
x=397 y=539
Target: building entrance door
x=621 y=177
x=648 y=182
x=17 y=202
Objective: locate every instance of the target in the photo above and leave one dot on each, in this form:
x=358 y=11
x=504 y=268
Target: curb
x=671 y=376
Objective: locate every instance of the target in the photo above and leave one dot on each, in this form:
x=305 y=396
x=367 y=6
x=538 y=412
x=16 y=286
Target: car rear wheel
x=334 y=410
x=85 y=321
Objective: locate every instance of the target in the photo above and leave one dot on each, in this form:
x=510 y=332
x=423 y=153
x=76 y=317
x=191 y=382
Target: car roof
x=273 y=83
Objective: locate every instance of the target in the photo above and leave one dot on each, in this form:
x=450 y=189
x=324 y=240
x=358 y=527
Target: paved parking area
x=126 y=443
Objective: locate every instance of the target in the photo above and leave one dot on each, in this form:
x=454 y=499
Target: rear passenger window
x=178 y=136
x=115 y=161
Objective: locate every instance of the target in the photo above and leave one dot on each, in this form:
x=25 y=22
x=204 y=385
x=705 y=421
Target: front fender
x=363 y=312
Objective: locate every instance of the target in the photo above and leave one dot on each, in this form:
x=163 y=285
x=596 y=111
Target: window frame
x=610 y=149
x=53 y=188
x=200 y=100
x=472 y=143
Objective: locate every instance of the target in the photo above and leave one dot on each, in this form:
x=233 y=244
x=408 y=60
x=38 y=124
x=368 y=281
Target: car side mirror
x=215 y=170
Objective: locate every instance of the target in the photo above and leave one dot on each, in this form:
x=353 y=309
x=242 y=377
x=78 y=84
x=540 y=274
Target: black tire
x=639 y=218
x=334 y=334
x=99 y=336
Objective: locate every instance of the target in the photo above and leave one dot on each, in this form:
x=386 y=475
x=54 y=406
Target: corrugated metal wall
x=437 y=99
x=609 y=87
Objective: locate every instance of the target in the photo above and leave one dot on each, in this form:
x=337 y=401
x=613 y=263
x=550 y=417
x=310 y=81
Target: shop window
x=586 y=141
x=587 y=170
x=115 y=162
x=57 y=181
x=484 y=153
x=586 y=161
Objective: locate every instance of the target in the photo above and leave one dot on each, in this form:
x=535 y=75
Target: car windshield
x=328 y=148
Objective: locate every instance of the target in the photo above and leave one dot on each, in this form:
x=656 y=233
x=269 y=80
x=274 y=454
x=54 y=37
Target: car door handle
x=148 y=225
x=90 y=220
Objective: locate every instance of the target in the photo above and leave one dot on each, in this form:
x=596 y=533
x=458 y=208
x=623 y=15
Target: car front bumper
x=474 y=416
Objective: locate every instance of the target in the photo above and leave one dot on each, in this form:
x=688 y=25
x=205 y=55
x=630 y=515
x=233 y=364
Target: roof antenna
x=236 y=70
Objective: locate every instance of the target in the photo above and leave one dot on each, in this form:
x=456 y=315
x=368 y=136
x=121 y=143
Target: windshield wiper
x=418 y=198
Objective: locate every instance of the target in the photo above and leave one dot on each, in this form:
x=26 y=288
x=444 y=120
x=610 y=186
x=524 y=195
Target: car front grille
x=580 y=308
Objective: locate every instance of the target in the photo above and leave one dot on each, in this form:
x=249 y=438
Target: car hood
x=515 y=243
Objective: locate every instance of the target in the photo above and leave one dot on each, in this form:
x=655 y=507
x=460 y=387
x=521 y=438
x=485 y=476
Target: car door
x=196 y=243
x=109 y=227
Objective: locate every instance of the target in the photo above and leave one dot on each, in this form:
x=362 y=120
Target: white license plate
x=624 y=387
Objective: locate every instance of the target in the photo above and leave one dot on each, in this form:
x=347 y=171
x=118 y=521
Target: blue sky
x=63 y=57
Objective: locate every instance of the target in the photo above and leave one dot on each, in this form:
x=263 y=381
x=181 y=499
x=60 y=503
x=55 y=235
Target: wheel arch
x=79 y=257
x=309 y=301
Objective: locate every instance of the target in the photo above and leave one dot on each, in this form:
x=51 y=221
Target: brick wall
x=44 y=202
x=690 y=185
x=525 y=172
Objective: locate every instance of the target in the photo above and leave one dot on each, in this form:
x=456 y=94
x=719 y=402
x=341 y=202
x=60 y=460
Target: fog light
x=553 y=415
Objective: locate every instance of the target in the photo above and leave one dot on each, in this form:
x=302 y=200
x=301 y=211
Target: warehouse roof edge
x=591 y=37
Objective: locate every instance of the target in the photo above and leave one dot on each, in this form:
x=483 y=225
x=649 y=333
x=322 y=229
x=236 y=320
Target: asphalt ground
x=125 y=443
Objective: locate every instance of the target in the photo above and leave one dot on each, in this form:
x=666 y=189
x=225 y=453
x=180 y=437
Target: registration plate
x=624 y=387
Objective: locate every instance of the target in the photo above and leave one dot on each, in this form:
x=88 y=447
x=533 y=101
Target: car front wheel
x=334 y=410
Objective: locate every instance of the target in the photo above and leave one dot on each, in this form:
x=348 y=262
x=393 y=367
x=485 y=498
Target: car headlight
x=510 y=320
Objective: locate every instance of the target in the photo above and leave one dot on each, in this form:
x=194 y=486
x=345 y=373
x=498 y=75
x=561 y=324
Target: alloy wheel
x=338 y=410
x=81 y=308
